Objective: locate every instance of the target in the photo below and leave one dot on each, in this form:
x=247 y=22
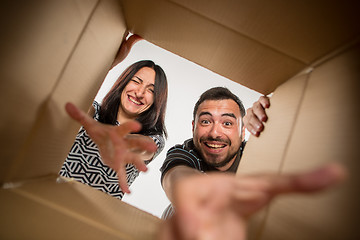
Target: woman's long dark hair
x=153 y=119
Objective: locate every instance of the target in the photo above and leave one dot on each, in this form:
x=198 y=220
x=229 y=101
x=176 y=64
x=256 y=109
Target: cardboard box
x=50 y=50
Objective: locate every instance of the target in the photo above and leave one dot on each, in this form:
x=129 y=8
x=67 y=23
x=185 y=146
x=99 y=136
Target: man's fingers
x=252 y=123
x=259 y=111
x=256 y=116
x=264 y=101
x=320 y=178
x=312 y=181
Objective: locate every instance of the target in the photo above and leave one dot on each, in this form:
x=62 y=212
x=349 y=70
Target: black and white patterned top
x=84 y=163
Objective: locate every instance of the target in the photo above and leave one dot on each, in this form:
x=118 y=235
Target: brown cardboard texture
x=315 y=124
x=58 y=51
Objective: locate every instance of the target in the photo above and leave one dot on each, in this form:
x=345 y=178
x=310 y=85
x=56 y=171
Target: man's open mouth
x=215 y=145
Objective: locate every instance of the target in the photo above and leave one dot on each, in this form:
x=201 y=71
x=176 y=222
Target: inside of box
x=52 y=50
x=184 y=78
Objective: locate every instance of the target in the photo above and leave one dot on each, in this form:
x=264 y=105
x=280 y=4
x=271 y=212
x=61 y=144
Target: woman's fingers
x=139 y=143
x=80 y=116
x=133 y=39
x=116 y=149
x=125 y=48
x=127 y=128
x=123 y=153
x=122 y=177
x=138 y=163
x=123 y=156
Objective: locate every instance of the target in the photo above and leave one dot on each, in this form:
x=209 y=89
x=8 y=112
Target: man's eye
x=228 y=123
x=205 y=121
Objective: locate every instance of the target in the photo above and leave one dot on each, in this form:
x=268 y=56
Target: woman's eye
x=151 y=90
x=135 y=81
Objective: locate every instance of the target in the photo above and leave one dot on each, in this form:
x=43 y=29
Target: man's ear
x=193 y=126
x=243 y=134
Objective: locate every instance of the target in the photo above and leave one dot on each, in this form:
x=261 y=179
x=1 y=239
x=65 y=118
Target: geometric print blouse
x=84 y=163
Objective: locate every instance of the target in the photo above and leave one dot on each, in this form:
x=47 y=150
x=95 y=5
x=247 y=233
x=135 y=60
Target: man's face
x=217 y=132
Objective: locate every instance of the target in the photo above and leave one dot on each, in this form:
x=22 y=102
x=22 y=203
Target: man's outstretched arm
x=218 y=206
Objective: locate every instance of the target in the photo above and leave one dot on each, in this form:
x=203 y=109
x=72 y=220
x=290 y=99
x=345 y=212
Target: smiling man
x=217 y=143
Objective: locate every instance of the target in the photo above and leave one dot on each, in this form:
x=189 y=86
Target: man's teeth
x=212 y=145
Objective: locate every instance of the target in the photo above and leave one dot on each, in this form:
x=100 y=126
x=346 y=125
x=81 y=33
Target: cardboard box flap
x=57 y=52
x=61 y=209
x=257 y=44
x=302 y=30
x=312 y=121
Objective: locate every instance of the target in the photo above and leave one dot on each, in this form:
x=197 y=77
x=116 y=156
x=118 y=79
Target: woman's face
x=138 y=94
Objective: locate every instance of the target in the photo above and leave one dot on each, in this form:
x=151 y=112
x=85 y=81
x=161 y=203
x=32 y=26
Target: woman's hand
x=116 y=148
x=125 y=48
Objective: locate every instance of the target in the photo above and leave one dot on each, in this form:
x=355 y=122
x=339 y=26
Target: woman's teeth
x=134 y=101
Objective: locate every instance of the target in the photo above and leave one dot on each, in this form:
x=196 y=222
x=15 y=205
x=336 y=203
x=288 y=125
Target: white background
x=186 y=82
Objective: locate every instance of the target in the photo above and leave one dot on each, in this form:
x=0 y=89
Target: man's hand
x=116 y=148
x=218 y=206
x=256 y=116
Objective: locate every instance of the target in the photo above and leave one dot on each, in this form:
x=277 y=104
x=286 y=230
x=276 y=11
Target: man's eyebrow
x=229 y=115
x=204 y=113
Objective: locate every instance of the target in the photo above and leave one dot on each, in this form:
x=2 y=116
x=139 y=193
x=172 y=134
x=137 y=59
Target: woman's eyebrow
x=139 y=79
x=151 y=84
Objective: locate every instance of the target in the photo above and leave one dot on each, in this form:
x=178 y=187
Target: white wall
x=186 y=82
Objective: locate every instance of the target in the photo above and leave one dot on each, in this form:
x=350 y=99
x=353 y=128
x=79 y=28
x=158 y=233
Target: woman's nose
x=140 y=92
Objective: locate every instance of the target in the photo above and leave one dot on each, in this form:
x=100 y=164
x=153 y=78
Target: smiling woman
x=140 y=93
x=143 y=90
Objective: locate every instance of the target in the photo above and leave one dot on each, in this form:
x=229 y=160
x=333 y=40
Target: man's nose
x=215 y=130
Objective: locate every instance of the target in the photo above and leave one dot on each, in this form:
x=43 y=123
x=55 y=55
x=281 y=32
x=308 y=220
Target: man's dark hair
x=219 y=93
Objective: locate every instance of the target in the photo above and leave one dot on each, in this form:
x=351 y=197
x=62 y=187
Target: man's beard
x=223 y=162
